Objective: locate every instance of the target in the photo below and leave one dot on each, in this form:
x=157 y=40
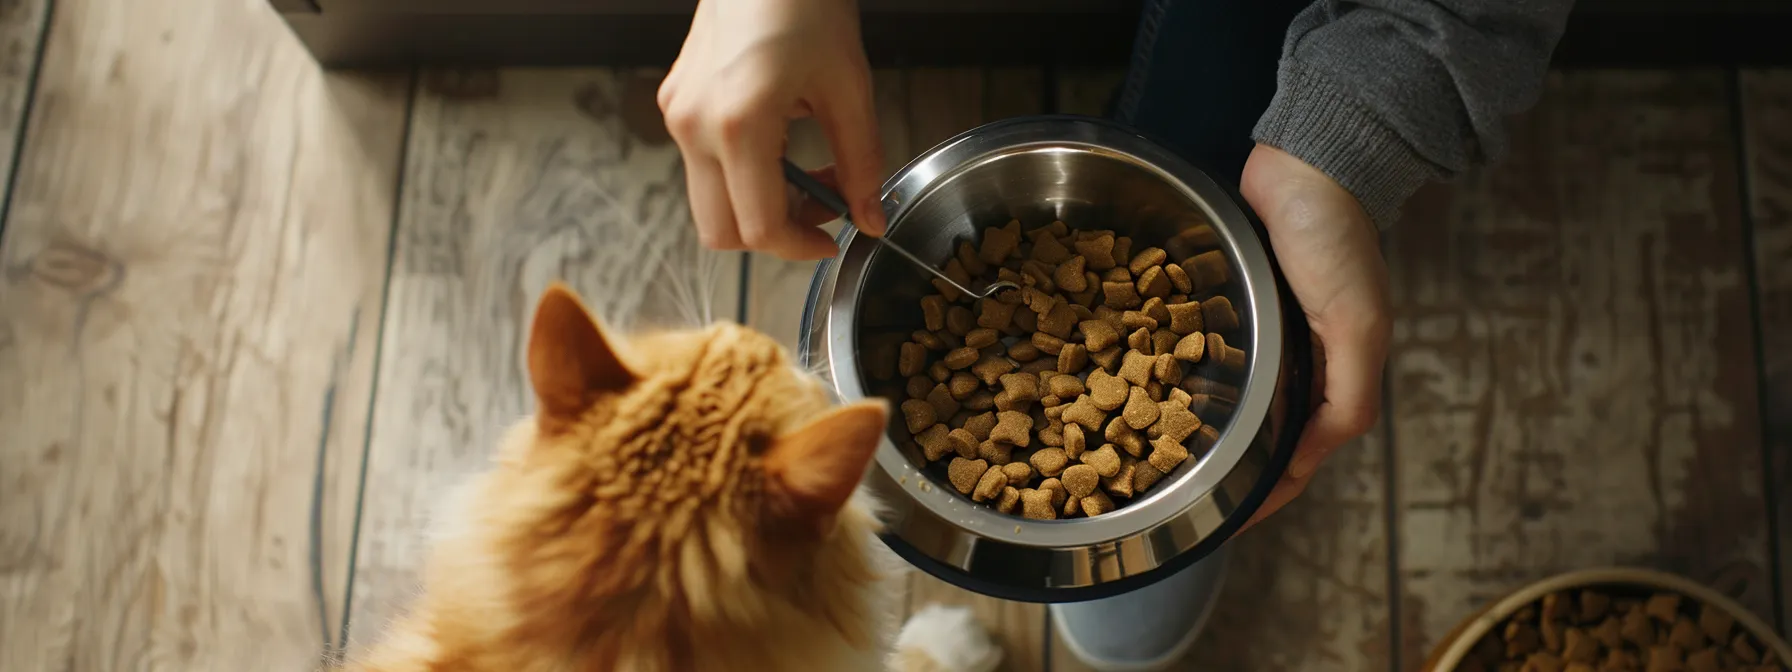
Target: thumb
x=850 y=123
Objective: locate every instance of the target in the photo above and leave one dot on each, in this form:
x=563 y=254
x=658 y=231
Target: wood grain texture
x=1308 y=588
x=1767 y=126
x=194 y=261
x=1572 y=374
x=515 y=178
x=21 y=30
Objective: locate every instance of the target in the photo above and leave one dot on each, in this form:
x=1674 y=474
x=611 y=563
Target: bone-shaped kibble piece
x=1135 y=367
x=1013 y=428
x=911 y=360
x=968 y=259
x=990 y=369
x=918 y=415
x=1227 y=357
x=1097 y=252
x=1144 y=476
x=1217 y=314
x=990 y=485
x=1009 y=501
x=964 y=474
x=1069 y=276
x=998 y=244
x=1050 y=461
x=1152 y=283
x=994 y=314
x=1097 y=503
x=1019 y=473
x=1185 y=318
x=1047 y=343
x=1037 y=504
x=934 y=442
x=1106 y=460
x=964 y=443
x=960 y=320
x=1072 y=358
x=1156 y=309
x=1163 y=341
x=1120 y=295
x=944 y=405
x=1167 y=454
x=995 y=452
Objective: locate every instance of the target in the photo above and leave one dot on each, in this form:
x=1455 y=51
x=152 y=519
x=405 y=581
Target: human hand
x=747 y=68
x=1331 y=256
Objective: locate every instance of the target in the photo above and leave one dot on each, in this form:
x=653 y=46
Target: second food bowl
x=1092 y=175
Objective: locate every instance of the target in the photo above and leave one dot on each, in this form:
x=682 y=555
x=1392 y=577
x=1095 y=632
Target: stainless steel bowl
x=1089 y=173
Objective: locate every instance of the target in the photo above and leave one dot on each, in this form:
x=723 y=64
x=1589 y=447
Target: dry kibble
x=1122 y=249
x=1206 y=437
x=1097 y=252
x=1108 y=359
x=1106 y=460
x=1041 y=364
x=1048 y=250
x=1009 y=501
x=1135 y=368
x=1120 y=485
x=1120 y=295
x=981 y=400
x=1174 y=421
x=1021 y=386
x=1069 y=276
x=1186 y=318
x=1072 y=358
x=939 y=372
x=1152 y=283
x=995 y=452
x=960 y=320
x=1134 y=319
x=994 y=314
x=1685 y=634
x=1166 y=369
x=1040 y=274
x=1097 y=503
x=1163 y=342
x=961 y=358
x=1218 y=315
x=1065 y=387
x=967 y=258
x=912 y=360
x=981 y=425
x=1637 y=629
x=1703 y=661
x=1122 y=436
x=1085 y=413
x=1074 y=441
x=1079 y=479
x=1144 y=476
x=1180 y=397
x=933 y=312
x=1166 y=454
x=1037 y=504
x=1608 y=633
x=1060 y=322
x=1106 y=391
x=1579 y=646
x=1056 y=229
x=990 y=485
x=990 y=369
x=1665 y=659
x=1206 y=270
x=1663 y=607
x=981 y=338
x=1091 y=292
x=1190 y=348
x=999 y=243
x=934 y=442
x=1019 y=473
x=956 y=272
x=1139 y=340
x=1056 y=487
x=1013 y=428
x=1147 y=258
x=1230 y=358
x=1715 y=622
x=962 y=385
x=1036 y=299
x=929 y=340
x=944 y=404
x=1023 y=352
x=964 y=474
x=1051 y=461
x=1179 y=279
x=919 y=386
x=1156 y=309
x=964 y=443
x=1141 y=411
x=1047 y=343
x=918 y=415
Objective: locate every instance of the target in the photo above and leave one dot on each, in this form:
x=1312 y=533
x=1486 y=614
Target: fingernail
x=875 y=224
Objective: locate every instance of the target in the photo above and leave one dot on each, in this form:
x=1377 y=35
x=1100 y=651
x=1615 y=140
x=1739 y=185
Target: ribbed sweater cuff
x=1320 y=123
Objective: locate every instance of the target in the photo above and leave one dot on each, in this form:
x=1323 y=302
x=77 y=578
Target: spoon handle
x=828 y=197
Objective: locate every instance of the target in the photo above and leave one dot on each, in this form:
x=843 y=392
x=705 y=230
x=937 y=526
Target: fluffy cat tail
x=939 y=638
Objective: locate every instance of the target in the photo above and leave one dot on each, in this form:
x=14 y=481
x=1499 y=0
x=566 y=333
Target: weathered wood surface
x=916 y=110
x=1308 y=588
x=1573 y=373
x=1767 y=135
x=21 y=30
x=195 y=255
x=514 y=178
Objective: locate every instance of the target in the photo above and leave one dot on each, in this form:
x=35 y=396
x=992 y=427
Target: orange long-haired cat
x=683 y=500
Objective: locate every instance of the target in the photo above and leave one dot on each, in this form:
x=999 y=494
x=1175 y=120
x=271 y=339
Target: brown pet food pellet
x=1106 y=391
x=1021 y=386
x=944 y=405
x=1036 y=299
x=1069 y=276
x=934 y=442
x=918 y=415
x=1097 y=253
x=1052 y=436
x=1091 y=292
x=956 y=272
x=1122 y=249
x=980 y=425
x=1120 y=295
x=960 y=320
x=1579 y=646
x=1608 y=633
x=1056 y=487
x=939 y=372
x=1152 y=283
x=1080 y=479
x=964 y=442
x=1013 y=428
x=1106 y=460
x=929 y=340
x=961 y=358
x=1108 y=359
x=990 y=485
x=1134 y=319
x=964 y=474
x=1665 y=659
x=1085 y=413
x=1703 y=661
x=981 y=338
x=1047 y=343
x=1073 y=506
x=1074 y=440
x=1166 y=454
x=1179 y=278
x=990 y=369
x=912 y=360
x=1174 y=421
x=1141 y=411
x=1178 y=396
x=1139 y=340
x=1135 y=368
x=919 y=386
x=1117 y=274
x=1120 y=485
x=1144 y=476
x=1166 y=369
x=994 y=314
x=1009 y=501
x=1232 y=359
x=1186 y=318
x=1715 y=622
x=1060 y=322
x=1050 y=461
x=1147 y=258
x=1206 y=270
x=1124 y=438
x=1037 y=504
x=1056 y=229
x=1686 y=635
x=1097 y=503
x=1023 y=352
x=995 y=452
x=962 y=385
x=1072 y=358
x=1049 y=250
x=999 y=243
x=1206 y=437
x=1637 y=628
x=967 y=258
x=933 y=312
x=1218 y=315
x=1163 y=341
x=1155 y=309
x=1190 y=348
x=1019 y=473
x=981 y=400
x=1065 y=386
x=1040 y=274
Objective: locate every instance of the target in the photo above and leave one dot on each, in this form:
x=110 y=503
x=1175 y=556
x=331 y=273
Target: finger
x=1352 y=392
x=756 y=189
x=809 y=212
x=849 y=120
x=708 y=191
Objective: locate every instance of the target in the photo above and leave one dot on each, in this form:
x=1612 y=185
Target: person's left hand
x=1331 y=256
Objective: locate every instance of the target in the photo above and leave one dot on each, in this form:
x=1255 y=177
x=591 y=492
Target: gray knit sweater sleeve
x=1383 y=95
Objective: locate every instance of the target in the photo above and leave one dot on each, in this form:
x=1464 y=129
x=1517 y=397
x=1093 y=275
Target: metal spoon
x=815 y=189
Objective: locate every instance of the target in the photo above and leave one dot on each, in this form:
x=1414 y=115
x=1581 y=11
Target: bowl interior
x=1083 y=186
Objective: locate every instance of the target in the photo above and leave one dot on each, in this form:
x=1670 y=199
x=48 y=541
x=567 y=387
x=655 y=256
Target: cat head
x=672 y=489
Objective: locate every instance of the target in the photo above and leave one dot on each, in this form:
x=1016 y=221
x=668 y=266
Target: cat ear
x=570 y=358
x=811 y=472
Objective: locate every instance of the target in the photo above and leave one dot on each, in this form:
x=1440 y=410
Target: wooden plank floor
x=224 y=290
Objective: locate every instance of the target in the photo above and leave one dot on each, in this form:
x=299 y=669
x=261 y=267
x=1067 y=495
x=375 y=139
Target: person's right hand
x=747 y=68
